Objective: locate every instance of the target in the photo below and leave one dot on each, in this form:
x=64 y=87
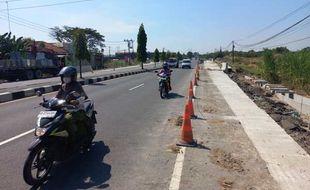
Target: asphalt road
x=131 y=142
x=15 y=86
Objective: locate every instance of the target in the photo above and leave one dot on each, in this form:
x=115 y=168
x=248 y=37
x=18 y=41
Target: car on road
x=186 y=63
x=173 y=62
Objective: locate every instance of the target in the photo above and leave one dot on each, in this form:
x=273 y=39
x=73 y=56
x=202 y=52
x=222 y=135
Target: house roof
x=50 y=48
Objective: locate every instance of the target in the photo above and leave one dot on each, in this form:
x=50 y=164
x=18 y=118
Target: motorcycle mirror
x=39 y=93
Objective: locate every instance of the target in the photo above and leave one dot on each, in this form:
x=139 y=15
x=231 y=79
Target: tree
x=66 y=34
x=168 y=55
x=9 y=44
x=281 y=50
x=269 y=66
x=156 y=55
x=141 y=49
x=80 y=46
x=163 y=56
x=189 y=54
x=173 y=54
x=179 y=56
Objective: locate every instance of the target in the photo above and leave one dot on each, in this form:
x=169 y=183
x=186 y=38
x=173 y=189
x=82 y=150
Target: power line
x=22 y=24
x=47 y=5
x=302 y=39
x=277 y=21
x=290 y=33
x=11 y=1
x=24 y=21
x=227 y=47
x=275 y=35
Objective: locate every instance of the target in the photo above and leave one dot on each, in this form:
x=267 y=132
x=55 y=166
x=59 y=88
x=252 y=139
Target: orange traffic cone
x=190 y=85
x=186 y=137
x=190 y=93
x=195 y=81
x=191 y=108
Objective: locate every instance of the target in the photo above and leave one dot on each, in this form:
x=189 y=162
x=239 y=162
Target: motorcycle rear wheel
x=39 y=161
x=163 y=93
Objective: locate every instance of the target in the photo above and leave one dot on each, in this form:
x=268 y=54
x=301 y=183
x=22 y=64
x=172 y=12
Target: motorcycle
x=163 y=85
x=51 y=143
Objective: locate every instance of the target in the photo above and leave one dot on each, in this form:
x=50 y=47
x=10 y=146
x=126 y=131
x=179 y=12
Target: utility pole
x=133 y=50
x=7 y=9
x=128 y=44
x=233 y=52
x=131 y=46
x=109 y=51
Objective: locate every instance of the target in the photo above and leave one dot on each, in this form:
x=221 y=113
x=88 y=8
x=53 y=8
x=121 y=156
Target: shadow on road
x=173 y=95
x=82 y=171
x=201 y=146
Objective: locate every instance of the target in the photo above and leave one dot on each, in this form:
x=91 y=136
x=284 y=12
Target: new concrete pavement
x=130 y=146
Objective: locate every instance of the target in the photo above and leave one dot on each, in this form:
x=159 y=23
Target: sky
x=174 y=25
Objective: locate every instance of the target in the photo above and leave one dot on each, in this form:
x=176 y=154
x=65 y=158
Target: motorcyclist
x=73 y=92
x=165 y=71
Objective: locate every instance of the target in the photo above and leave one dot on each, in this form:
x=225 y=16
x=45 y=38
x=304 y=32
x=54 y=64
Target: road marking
x=177 y=172
x=16 y=137
x=178 y=166
x=136 y=87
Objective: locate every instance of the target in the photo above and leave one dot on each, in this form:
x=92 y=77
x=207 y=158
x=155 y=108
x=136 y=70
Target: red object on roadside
x=186 y=137
x=191 y=108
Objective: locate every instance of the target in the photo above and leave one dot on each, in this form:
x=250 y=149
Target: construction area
x=240 y=145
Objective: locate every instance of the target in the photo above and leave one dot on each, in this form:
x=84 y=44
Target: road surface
x=130 y=147
x=16 y=86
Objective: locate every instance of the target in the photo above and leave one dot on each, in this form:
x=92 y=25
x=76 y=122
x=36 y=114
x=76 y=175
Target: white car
x=186 y=63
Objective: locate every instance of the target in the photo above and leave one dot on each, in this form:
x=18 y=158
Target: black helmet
x=68 y=71
x=165 y=65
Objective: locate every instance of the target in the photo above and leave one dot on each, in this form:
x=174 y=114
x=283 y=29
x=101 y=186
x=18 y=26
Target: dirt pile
x=176 y=121
x=226 y=160
x=286 y=116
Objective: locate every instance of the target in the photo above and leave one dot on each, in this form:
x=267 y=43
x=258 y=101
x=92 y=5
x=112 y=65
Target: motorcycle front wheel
x=37 y=166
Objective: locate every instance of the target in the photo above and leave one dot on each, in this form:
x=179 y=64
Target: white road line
x=178 y=166
x=177 y=172
x=136 y=87
x=16 y=137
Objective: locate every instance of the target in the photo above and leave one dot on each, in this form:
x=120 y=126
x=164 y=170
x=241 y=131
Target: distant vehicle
x=173 y=62
x=186 y=63
x=27 y=69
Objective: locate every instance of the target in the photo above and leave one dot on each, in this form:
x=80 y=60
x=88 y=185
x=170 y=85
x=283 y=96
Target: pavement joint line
x=136 y=87
x=177 y=172
x=16 y=137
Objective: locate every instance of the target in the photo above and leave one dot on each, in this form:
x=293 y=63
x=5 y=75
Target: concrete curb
x=10 y=96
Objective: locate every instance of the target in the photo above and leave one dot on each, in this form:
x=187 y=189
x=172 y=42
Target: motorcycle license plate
x=47 y=114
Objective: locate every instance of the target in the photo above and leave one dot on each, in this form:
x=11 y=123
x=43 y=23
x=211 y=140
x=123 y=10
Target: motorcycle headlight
x=40 y=131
